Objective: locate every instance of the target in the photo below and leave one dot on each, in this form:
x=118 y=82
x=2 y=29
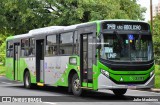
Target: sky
x=146 y=3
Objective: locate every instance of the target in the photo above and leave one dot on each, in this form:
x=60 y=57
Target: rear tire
x=119 y=92
x=76 y=85
x=27 y=80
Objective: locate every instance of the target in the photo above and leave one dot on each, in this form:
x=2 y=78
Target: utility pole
x=151 y=15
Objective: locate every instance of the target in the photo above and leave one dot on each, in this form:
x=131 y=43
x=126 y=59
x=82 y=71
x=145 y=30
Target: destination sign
x=126 y=26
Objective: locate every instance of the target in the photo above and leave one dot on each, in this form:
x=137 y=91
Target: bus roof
x=22 y=35
x=18 y=36
x=51 y=29
x=45 y=29
x=122 y=20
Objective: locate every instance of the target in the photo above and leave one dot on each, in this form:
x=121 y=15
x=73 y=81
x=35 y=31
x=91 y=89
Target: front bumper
x=105 y=83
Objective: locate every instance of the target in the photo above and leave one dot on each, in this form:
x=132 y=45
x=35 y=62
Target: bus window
x=32 y=47
x=24 y=47
x=122 y=49
x=9 y=49
x=66 y=43
x=75 y=45
x=10 y=45
x=51 y=47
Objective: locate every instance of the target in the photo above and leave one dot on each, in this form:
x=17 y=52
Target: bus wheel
x=27 y=80
x=119 y=92
x=76 y=85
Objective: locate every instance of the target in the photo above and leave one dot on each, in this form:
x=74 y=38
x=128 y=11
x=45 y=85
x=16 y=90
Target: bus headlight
x=151 y=73
x=104 y=72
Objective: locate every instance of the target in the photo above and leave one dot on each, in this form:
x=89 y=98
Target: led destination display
x=126 y=26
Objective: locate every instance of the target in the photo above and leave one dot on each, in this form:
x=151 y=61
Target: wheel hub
x=76 y=84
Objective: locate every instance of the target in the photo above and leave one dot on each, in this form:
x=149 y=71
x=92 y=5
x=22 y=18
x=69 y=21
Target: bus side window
x=75 y=44
x=62 y=51
x=24 y=47
x=51 y=47
x=31 y=47
x=9 y=49
x=66 y=43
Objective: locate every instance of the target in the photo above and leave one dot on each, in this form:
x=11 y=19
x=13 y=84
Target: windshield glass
x=126 y=47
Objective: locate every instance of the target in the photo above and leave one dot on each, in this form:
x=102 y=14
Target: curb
x=151 y=90
x=155 y=90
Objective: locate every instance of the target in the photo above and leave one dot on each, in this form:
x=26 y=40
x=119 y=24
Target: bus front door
x=40 y=61
x=16 y=61
x=86 y=60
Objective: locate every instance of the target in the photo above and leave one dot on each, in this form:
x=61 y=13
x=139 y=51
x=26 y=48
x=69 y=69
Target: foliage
x=156 y=38
x=2 y=48
x=20 y=16
x=157 y=76
x=2 y=70
x=66 y=12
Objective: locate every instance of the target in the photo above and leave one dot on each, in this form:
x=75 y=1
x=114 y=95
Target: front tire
x=119 y=92
x=76 y=85
x=27 y=80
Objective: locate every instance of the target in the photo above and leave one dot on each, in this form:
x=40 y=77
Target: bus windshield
x=126 y=47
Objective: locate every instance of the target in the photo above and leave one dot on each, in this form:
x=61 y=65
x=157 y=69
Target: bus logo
x=6 y=99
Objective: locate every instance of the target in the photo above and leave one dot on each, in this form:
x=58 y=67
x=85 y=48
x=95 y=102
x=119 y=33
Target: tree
x=2 y=48
x=66 y=12
x=20 y=16
x=132 y=9
x=156 y=38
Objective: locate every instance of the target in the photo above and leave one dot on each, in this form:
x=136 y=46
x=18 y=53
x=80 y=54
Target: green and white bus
x=107 y=54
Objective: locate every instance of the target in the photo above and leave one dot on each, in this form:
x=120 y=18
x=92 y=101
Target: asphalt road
x=59 y=96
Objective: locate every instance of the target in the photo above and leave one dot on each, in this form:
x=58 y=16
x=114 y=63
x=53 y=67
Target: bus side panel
x=63 y=81
x=9 y=68
x=55 y=68
x=96 y=72
x=28 y=63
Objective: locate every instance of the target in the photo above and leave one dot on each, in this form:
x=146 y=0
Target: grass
x=157 y=76
x=2 y=70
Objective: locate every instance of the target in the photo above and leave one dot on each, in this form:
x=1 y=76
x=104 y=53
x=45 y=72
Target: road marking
x=7 y=83
x=49 y=103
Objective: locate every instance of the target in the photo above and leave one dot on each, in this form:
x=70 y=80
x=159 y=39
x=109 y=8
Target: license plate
x=131 y=87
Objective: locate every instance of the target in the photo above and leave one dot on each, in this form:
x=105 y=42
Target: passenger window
x=75 y=45
x=51 y=47
x=32 y=47
x=24 y=47
x=66 y=43
x=9 y=49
